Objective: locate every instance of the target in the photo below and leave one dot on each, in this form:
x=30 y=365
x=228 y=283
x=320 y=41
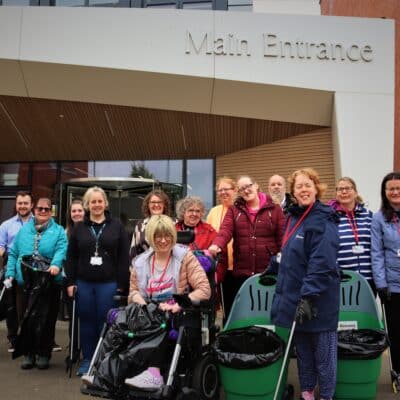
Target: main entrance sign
x=275 y=47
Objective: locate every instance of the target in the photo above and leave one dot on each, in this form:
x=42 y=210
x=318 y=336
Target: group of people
x=294 y=235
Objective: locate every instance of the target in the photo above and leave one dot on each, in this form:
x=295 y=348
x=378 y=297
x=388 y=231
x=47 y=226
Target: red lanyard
x=222 y=216
x=288 y=233
x=353 y=224
x=160 y=279
x=396 y=223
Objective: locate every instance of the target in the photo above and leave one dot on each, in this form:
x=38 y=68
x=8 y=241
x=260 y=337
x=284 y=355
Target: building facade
x=254 y=92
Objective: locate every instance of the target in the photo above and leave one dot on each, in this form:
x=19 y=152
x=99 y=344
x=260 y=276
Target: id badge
x=96 y=260
x=278 y=257
x=358 y=249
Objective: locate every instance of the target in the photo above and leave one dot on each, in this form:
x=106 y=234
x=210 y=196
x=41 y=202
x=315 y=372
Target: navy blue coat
x=309 y=269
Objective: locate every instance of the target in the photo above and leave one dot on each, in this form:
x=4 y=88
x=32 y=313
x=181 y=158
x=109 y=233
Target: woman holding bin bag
x=40 y=241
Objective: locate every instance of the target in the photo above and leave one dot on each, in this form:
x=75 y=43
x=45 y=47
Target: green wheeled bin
x=252 y=308
x=357 y=378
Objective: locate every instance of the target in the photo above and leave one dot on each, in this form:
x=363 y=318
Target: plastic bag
x=130 y=344
x=251 y=347
x=361 y=344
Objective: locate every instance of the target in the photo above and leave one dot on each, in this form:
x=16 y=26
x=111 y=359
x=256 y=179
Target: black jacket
x=113 y=248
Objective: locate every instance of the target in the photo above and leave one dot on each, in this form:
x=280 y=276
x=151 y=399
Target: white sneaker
x=146 y=381
x=88 y=379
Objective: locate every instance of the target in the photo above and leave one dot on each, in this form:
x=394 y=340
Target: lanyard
x=161 y=278
x=396 y=223
x=353 y=224
x=97 y=237
x=36 y=242
x=288 y=233
x=222 y=215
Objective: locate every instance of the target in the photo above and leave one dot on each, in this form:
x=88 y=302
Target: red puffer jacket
x=253 y=243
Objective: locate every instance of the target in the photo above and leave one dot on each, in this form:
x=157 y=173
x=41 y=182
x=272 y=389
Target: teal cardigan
x=53 y=244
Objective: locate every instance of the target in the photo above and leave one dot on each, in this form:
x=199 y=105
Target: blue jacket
x=309 y=269
x=53 y=244
x=385 y=245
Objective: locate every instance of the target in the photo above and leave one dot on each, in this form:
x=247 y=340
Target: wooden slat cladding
x=313 y=149
x=63 y=130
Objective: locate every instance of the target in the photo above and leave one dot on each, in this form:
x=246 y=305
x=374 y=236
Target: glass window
x=103 y=3
x=74 y=170
x=197 y=5
x=70 y=3
x=200 y=180
x=240 y=5
x=163 y=170
x=16 y=174
x=44 y=179
x=16 y=2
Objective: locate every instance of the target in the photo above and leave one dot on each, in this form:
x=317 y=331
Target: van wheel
x=206 y=378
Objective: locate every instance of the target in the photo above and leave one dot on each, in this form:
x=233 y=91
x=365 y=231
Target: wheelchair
x=193 y=370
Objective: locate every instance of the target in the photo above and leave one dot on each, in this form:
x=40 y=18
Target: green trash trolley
x=252 y=307
x=357 y=379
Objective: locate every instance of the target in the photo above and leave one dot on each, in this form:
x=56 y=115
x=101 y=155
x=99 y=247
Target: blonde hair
x=228 y=180
x=359 y=199
x=310 y=173
x=160 y=225
x=88 y=194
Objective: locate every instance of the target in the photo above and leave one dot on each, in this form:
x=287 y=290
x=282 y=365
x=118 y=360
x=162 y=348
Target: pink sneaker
x=146 y=381
x=307 y=395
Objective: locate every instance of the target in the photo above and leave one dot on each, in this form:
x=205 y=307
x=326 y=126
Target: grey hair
x=188 y=201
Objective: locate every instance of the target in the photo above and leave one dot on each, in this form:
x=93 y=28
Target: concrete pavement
x=54 y=383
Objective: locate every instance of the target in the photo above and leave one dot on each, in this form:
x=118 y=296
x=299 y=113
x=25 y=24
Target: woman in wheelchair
x=163 y=270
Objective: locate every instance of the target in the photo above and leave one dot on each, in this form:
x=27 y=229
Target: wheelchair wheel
x=206 y=379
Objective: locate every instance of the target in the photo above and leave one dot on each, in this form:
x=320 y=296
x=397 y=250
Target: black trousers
x=392 y=309
x=230 y=287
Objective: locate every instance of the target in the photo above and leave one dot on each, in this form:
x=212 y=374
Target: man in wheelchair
x=158 y=275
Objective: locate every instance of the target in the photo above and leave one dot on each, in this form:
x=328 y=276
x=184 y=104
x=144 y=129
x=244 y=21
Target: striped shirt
x=347 y=258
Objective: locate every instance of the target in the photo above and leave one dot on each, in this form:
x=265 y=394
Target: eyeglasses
x=43 y=209
x=156 y=202
x=193 y=211
x=344 y=189
x=393 y=189
x=167 y=238
x=222 y=190
x=245 y=187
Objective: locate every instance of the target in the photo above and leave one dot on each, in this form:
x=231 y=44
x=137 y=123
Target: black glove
x=305 y=311
x=384 y=295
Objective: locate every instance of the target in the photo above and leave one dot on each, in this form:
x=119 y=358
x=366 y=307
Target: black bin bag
x=250 y=347
x=361 y=344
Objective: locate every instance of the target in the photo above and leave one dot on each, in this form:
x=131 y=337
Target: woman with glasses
x=255 y=223
x=385 y=252
x=156 y=202
x=40 y=236
x=189 y=213
x=226 y=193
x=354 y=229
x=161 y=271
x=97 y=267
